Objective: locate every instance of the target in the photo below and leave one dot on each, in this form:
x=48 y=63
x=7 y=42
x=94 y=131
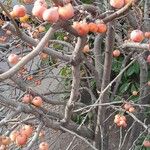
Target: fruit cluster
x=84 y=28
x=128 y=107
x=21 y=136
x=139 y=36
x=52 y=14
x=120 y=120
x=135 y=36
x=40 y=11
x=36 y=101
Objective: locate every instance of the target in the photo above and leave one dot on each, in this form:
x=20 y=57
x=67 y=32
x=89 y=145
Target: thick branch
x=44 y=117
x=98 y=59
x=76 y=57
x=105 y=98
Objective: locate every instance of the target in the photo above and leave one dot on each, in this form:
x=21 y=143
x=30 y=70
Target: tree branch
x=100 y=127
x=76 y=57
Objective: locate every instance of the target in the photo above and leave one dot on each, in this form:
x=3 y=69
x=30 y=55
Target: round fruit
x=43 y=146
x=146 y=143
x=51 y=15
x=41 y=29
x=19 y=10
x=148 y=59
x=134 y=93
x=66 y=12
x=21 y=139
x=148 y=83
x=27 y=129
x=13 y=136
x=93 y=27
x=131 y=109
x=127 y=106
x=27 y=98
x=13 y=59
x=102 y=28
x=137 y=36
x=122 y=123
x=28 y=1
x=86 y=48
x=12 y=14
x=117 y=118
x=65 y=38
x=117 y=3
x=116 y=53
x=6 y=140
x=38 y=11
x=123 y=118
x=37 y=101
x=81 y=27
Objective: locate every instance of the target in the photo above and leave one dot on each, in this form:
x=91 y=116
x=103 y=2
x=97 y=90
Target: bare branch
x=29 y=56
x=76 y=79
x=137 y=46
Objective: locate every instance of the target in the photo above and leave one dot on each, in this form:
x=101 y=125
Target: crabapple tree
x=76 y=67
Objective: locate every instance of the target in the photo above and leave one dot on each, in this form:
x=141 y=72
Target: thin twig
x=73 y=133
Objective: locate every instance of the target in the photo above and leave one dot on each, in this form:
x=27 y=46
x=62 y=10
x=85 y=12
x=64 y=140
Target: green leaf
x=117 y=98
x=59 y=35
x=116 y=64
x=87 y=1
x=65 y=71
x=130 y=71
x=135 y=99
x=136 y=68
x=124 y=87
x=133 y=87
x=133 y=69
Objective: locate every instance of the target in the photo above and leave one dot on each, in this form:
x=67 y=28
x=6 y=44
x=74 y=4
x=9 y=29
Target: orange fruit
x=37 y=101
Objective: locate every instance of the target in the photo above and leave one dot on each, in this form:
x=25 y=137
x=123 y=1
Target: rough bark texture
x=101 y=127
